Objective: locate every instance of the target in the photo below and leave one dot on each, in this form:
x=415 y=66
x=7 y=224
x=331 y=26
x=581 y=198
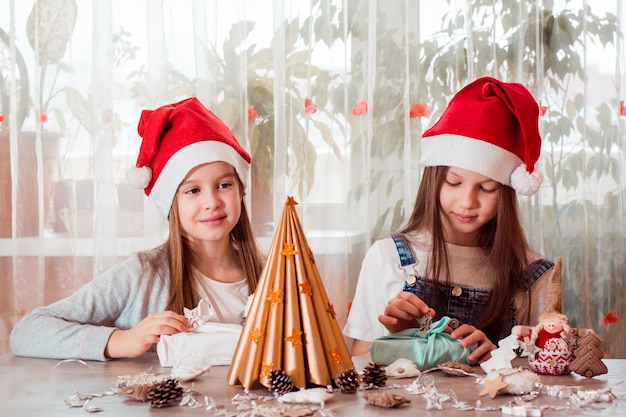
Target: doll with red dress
x=547 y=344
x=552 y=346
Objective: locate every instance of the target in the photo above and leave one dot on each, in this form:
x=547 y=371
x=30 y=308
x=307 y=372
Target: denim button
x=454 y=323
x=411 y=280
x=456 y=291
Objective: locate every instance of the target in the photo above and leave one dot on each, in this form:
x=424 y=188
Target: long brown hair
x=502 y=239
x=183 y=288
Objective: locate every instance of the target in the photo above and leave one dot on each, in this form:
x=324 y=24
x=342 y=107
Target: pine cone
x=375 y=374
x=280 y=382
x=165 y=393
x=348 y=381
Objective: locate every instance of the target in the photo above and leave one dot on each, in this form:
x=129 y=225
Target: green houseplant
x=22 y=83
x=49 y=28
x=10 y=71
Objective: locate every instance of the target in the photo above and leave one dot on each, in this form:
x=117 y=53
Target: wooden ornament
x=402 y=368
x=455 y=368
x=385 y=399
x=492 y=386
x=137 y=392
x=588 y=357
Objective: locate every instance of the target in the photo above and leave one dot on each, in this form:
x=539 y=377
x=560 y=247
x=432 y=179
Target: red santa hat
x=177 y=138
x=492 y=128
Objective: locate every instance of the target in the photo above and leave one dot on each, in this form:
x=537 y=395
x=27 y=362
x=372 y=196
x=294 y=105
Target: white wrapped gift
x=205 y=342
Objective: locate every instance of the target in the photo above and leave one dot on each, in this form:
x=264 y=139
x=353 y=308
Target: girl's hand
x=471 y=335
x=136 y=341
x=402 y=310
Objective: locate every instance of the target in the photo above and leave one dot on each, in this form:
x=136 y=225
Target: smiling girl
x=194 y=170
x=463 y=252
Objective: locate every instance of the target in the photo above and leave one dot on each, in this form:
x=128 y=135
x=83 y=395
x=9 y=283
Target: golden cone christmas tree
x=291 y=324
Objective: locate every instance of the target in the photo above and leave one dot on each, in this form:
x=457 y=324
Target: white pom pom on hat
x=177 y=138
x=524 y=182
x=139 y=177
x=490 y=127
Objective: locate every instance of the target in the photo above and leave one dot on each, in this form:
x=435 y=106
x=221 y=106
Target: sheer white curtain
x=330 y=97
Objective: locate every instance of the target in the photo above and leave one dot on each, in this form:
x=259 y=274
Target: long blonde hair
x=502 y=239
x=183 y=288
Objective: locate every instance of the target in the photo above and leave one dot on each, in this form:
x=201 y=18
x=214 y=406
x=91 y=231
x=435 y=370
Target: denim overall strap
x=535 y=271
x=404 y=250
x=405 y=253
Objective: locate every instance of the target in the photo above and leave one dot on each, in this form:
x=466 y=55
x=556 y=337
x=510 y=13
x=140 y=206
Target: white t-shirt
x=228 y=300
x=382 y=278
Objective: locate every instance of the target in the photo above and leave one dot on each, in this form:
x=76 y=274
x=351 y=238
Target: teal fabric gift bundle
x=426 y=348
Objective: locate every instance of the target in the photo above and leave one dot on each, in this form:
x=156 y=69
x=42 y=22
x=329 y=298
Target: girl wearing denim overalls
x=463 y=252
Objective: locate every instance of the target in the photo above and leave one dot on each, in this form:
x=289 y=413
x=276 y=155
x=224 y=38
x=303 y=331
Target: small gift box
x=214 y=342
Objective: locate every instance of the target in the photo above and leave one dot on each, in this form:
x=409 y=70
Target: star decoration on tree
x=291 y=202
x=266 y=369
x=275 y=297
x=337 y=356
x=288 y=249
x=331 y=310
x=305 y=288
x=492 y=386
x=295 y=338
x=254 y=335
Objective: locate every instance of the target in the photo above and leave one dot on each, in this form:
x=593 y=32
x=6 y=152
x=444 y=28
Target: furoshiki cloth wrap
x=426 y=348
x=214 y=342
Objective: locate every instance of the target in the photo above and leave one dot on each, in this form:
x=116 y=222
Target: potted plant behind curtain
x=74 y=197
x=12 y=70
x=48 y=29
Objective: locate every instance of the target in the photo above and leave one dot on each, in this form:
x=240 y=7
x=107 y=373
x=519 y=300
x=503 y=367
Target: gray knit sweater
x=79 y=326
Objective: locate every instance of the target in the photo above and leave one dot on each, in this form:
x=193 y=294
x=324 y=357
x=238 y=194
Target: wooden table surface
x=40 y=387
